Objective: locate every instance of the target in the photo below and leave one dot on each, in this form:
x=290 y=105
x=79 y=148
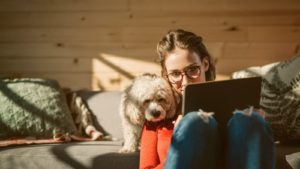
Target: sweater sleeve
x=148 y=155
x=155 y=143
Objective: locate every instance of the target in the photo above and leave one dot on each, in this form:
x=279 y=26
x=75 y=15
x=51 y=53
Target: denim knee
x=195 y=143
x=250 y=142
x=245 y=123
x=193 y=125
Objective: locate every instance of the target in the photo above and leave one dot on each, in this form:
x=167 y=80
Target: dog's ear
x=134 y=113
x=130 y=109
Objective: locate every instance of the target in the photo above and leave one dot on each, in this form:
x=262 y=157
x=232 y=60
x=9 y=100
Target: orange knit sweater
x=155 y=142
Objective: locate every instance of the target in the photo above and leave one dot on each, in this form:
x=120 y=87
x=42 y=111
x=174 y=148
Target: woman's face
x=184 y=67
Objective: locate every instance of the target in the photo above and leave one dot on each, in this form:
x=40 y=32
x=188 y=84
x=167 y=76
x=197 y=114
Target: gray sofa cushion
x=75 y=155
x=105 y=108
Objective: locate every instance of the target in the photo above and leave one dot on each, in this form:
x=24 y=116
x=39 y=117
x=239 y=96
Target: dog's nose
x=155 y=113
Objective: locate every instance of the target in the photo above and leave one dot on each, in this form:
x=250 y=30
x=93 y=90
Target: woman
x=196 y=141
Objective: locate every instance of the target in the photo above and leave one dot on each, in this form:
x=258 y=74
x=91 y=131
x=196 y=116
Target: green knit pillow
x=33 y=107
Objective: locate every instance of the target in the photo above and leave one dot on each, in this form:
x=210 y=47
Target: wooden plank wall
x=102 y=44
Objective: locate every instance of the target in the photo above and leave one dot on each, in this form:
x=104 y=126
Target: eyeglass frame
x=184 y=72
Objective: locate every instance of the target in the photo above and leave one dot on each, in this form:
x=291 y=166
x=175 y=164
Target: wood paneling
x=66 y=40
x=75 y=81
x=36 y=65
x=257 y=51
x=65 y=5
x=213 y=5
x=271 y=34
x=76 y=50
x=76 y=19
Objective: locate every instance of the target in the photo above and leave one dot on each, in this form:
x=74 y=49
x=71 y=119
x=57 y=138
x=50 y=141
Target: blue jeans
x=197 y=144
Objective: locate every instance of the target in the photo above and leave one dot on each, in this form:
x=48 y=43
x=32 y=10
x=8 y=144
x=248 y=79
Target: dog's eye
x=161 y=100
x=147 y=101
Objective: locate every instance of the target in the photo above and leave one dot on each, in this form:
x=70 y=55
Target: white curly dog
x=149 y=97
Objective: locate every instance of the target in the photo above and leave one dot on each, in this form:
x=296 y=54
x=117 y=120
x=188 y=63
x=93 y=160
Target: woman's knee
x=242 y=118
x=249 y=122
x=196 y=124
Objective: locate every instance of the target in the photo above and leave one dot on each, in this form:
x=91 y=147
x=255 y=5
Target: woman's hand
x=260 y=112
x=176 y=122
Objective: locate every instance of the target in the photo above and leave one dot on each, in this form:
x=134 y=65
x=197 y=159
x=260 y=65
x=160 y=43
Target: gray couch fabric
x=105 y=108
x=75 y=155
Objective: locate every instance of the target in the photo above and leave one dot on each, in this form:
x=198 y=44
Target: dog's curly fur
x=149 y=97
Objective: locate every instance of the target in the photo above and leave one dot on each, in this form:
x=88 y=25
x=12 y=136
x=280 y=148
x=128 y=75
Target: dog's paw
x=128 y=150
x=96 y=135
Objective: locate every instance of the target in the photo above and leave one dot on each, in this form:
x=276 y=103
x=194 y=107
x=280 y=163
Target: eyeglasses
x=191 y=72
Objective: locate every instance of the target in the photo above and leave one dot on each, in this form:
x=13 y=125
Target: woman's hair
x=184 y=40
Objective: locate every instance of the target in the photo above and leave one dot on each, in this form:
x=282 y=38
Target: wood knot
x=75 y=60
x=130 y=16
x=232 y=28
x=59 y=44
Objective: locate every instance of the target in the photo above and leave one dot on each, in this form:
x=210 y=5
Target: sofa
x=99 y=154
x=70 y=154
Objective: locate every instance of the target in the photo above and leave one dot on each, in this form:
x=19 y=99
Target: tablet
x=222 y=97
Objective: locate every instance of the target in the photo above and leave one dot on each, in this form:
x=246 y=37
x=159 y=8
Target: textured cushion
x=33 y=107
x=280 y=96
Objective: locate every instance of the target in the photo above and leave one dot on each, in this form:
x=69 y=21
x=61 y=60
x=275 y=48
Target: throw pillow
x=280 y=97
x=33 y=108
